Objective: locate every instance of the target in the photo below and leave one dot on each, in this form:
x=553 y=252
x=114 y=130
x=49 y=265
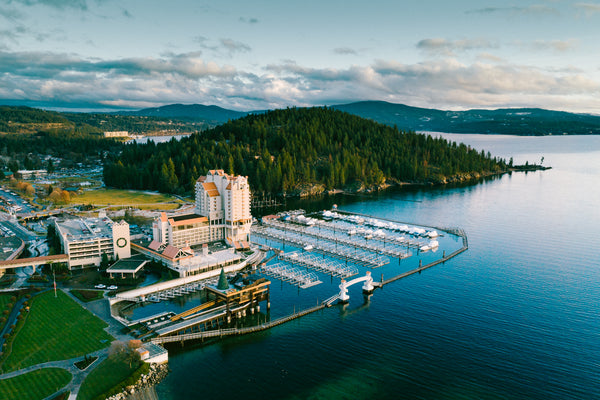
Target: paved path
x=12 y=319
x=101 y=309
x=69 y=365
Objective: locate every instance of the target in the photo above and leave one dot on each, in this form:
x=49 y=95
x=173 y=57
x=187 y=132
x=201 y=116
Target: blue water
x=516 y=316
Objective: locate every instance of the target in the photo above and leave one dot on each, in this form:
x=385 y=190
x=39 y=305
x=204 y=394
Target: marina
x=287 y=273
x=315 y=254
x=322 y=245
x=508 y=318
x=330 y=267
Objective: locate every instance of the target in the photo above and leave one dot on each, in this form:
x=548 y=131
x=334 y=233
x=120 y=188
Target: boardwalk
x=465 y=246
x=236 y=331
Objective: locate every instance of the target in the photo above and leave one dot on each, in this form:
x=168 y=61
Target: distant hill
x=300 y=151
x=182 y=118
x=511 y=121
x=514 y=121
x=212 y=115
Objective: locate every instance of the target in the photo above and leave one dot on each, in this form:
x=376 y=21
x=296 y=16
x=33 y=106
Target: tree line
x=282 y=150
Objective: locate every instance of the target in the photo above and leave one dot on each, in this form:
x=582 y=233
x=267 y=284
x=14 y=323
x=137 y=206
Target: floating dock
x=346 y=237
x=330 y=267
x=287 y=273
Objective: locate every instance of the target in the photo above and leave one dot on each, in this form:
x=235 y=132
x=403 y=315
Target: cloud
x=224 y=47
x=345 y=51
x=446 y=83
x=588 y=8
x=233 y=46
x=59 y=4
x=556 y=45
x=10 y=14
x=13 y=35
x=449 y=47
x=249 y=20
x=188 y=78
x=490 y=57
x=535 y=9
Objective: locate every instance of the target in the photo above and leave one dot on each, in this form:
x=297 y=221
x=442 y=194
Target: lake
x=515 y=316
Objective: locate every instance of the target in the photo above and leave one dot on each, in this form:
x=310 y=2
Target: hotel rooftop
x=90 y=228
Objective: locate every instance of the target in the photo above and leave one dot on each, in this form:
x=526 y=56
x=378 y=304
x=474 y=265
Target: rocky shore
x=157 y=373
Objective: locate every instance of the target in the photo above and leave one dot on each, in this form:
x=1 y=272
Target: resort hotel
x=214 y=236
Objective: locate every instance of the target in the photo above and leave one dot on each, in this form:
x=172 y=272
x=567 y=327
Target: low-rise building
x=85 y=240
x=112 y=134
x=127 y=268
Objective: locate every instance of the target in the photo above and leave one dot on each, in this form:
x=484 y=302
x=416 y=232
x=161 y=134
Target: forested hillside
x=283 y=150
x=32 y=120
x=510 y=121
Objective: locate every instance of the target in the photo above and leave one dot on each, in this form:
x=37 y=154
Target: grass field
x=132 y=198
x=56 y=329
x=34 y=385
x=87 y=295
x=104 y=377
x=4 y=300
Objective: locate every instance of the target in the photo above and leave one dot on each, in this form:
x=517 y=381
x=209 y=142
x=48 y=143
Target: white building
x=85 y=240
x=117 y=134
x=225 y=200
x=182 y=230
x=222 y=213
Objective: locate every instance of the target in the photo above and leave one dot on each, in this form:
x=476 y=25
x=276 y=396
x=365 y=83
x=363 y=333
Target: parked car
x=112 y=287
x=100 y=286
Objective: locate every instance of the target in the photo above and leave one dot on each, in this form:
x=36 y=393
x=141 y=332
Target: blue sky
x=248 y=55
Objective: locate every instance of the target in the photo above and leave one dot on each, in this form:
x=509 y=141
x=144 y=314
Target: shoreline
x=307 y=191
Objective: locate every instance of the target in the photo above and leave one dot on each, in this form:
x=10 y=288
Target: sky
x=262 y=54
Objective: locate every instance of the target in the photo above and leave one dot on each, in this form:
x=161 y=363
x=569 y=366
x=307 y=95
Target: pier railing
x=235 y=331
x=454 y=231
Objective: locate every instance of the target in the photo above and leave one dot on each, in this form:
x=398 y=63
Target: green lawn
x=105 y=376
x=133 y=198
x=87 y=295
x=56 y=329
x=4 y=300
x=34 y=385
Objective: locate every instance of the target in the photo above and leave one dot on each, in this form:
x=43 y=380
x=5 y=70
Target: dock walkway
x=235 y=331
x=334 y=249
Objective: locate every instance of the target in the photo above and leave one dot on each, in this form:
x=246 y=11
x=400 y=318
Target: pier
x=337 y=239
x=311 y=261
x=289 y=274
x=388 y=245
x=234 y=331
x=323 y=246
x=465 y=246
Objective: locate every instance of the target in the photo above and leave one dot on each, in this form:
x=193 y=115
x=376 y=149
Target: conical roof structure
x=223 y=284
